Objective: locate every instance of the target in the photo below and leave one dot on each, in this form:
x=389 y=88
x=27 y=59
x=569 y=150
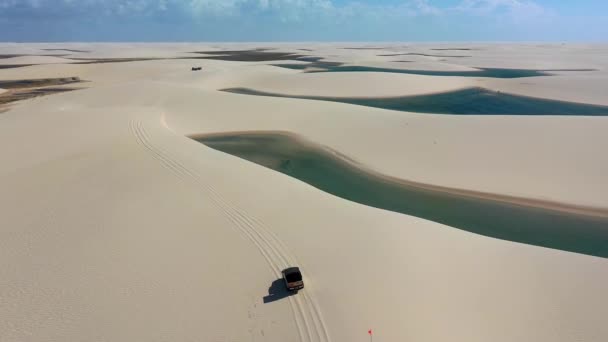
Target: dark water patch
x=490 y=217
x=20 y=95
x=129 y=59
x=295 y=66
x=259 y=55
x=113 y=60
x=229 y=52
x=326 y=66
x=470 y=101
x=309 y=59
x=453 y=49
x=68 y=50
x=366 y=48
x=39 y=82
x=420 y=54
x=254 y=57
x=481 y=72
x=251 y=57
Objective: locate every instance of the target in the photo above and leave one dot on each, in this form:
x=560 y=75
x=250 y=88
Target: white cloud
x=214 y=7
x=511 y=7
x=404 y=9
x=222 y=7
x=423 y=7
x=286 y=10
x=120 y=6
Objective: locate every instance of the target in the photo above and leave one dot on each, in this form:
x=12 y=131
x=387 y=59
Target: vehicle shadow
x=277 y=291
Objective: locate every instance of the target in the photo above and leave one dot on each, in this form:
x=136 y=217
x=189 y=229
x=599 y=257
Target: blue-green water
x=481 y=72
x=470 y=101
x=321 y=169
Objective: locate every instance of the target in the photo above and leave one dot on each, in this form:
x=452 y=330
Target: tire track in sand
x=307 y=314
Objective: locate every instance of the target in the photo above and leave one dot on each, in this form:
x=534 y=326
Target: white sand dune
x=116 y=226
x=561 y=87
x=353 y=84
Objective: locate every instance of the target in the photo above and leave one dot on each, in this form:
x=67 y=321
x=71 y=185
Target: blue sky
x=303 y=20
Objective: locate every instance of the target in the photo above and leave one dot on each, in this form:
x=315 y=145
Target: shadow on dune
x=277 y=291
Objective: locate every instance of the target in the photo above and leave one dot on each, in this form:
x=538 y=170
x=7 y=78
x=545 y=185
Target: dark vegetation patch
x=24 y=94
x=11 y=66
x=4 y=56
x=19 y=90
x=40 y=82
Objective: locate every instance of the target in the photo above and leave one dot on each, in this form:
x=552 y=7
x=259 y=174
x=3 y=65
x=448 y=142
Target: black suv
x=293 y=279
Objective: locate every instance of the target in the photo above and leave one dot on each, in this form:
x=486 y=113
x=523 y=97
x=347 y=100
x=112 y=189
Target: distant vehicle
x=293 y=279
x=197 y=68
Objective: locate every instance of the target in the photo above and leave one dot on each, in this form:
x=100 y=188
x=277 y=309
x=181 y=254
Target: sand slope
x=115 y=226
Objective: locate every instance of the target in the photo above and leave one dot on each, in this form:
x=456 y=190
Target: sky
x=303 y=20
